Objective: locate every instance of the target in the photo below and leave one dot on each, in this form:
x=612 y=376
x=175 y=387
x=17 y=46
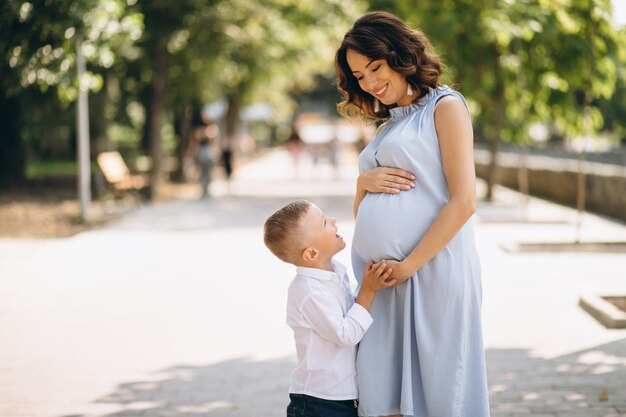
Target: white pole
x=82 y=130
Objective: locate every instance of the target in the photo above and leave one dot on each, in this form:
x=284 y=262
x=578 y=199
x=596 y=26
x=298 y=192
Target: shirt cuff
x=361 y=315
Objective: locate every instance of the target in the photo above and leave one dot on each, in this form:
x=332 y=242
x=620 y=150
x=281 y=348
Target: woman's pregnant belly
x=389 y=226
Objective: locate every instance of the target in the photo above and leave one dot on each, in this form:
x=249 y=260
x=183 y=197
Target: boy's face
x=320 y=232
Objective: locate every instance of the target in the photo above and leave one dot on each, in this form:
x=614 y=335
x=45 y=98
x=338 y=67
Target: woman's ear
x=309 y=254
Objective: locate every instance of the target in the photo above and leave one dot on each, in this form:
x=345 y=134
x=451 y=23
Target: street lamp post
x=82 y=130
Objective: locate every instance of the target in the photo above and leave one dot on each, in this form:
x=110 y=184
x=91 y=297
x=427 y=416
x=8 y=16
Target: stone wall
x=555 y=179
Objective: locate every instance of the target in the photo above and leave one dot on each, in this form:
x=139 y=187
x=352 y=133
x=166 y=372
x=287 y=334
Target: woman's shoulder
x=435 y=95
x=446 y=94
x=423 y=105
x=442 y=91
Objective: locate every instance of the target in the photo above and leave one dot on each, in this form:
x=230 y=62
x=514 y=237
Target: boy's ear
x=309 y=254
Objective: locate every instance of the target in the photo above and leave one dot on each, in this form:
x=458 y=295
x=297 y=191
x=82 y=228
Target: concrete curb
x=598 y=247
x=556 y=179
x=603 y=311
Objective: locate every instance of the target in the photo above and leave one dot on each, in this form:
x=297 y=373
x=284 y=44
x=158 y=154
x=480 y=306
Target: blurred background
x=162 y=79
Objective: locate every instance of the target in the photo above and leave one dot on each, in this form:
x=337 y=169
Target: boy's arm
x=325 y=316
x=374 y=279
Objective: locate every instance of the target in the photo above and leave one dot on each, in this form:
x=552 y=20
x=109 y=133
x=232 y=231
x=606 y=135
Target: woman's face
x=377 y=78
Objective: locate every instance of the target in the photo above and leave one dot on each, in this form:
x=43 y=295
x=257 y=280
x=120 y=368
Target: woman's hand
x=385 y=180
x=400 y=271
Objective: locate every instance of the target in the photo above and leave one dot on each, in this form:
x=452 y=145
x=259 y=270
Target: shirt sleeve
x=325 y=316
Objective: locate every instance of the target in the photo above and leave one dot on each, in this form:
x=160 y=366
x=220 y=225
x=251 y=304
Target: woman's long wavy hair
x=379 y=35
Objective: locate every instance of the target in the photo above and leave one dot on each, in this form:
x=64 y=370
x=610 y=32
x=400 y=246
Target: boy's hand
x=376 y=276
x=374 y=279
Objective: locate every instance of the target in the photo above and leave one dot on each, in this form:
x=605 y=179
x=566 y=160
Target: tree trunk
x=580 y=193
x=98 y=104
x=522 y=172
x=522 y=179
x=157 y=110
x=587 y=126
x=182 y=125
x=146 y=100
x=12 y=156
x=231 y=129
x=498 y=125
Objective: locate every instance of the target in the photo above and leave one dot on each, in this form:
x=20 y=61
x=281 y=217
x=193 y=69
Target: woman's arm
x=358 y=197
x=381 y=180
x=454 y=131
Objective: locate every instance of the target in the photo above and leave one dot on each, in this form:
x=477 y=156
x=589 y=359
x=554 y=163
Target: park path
x=177 y=309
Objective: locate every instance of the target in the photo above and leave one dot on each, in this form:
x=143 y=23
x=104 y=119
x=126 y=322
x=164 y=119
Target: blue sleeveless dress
x=423 y=356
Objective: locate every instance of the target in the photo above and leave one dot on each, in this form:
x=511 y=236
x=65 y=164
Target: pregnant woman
x=423 y=356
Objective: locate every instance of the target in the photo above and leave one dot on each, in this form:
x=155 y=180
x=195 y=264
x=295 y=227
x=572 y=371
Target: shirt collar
x=322 y=274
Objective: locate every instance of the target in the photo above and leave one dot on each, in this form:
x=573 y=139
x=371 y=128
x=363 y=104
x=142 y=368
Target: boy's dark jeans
x=306 y=406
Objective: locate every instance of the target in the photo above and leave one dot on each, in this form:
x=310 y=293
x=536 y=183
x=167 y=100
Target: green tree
x=38 y=43
x=273 y=49
x=523 y=61
x=614 y=109
x=168 y=28
x=242 y=50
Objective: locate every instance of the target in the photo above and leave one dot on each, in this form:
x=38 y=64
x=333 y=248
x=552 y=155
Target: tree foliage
x=243 y=50
x=526 y=61
x=38 y=67
x=39 y=37
x=152 y=63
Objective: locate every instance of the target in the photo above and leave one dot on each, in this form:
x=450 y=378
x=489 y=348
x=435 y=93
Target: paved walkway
x=178 y=309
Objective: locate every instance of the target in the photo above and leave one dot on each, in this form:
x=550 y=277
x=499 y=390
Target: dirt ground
x=50 y=209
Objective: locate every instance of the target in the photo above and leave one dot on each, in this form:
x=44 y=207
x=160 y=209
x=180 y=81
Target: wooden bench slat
x=117 y=174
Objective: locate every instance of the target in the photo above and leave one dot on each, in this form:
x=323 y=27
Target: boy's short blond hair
x=281 y=230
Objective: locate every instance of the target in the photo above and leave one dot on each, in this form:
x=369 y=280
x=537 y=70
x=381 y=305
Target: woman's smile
x=381 y=93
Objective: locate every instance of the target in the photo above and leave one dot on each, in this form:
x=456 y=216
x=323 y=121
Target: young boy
x=326 y=322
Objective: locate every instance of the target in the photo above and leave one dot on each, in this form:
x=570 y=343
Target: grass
x=49 y=169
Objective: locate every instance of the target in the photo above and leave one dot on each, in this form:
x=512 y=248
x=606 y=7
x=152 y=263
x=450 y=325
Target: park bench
x=119 y=179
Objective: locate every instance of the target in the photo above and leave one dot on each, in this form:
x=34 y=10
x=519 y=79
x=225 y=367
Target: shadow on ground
x=236 y=388
x=591 y=382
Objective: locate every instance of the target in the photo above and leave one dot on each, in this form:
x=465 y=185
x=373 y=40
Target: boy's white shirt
x=327 y=326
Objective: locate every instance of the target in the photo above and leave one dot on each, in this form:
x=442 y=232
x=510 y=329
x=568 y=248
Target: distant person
x=227 y=163
x=201 y=146
x=295 y=146
x=327 y=323
x=362 y=139
x=334 y=154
